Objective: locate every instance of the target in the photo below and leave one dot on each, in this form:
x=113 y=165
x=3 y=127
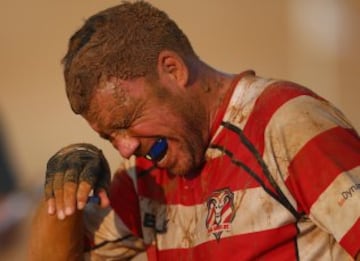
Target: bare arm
x=54 y=239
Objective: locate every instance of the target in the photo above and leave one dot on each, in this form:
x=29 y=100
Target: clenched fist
x=71 y=174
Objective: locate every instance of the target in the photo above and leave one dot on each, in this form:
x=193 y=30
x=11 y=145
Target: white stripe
x=342 y=196
x=104 y=225
x=293 y=125
x=314 y=244
x=241 y=105
x=243 y=99
x=186 y=225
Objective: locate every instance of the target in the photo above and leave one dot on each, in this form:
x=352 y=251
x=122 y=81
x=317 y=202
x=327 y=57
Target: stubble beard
x=189 y=162
x=193 y=146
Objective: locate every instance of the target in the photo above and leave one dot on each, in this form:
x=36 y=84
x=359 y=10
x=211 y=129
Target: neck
x=213 y=86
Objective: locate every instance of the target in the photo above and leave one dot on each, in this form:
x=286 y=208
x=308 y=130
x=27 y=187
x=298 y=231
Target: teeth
x=162 y=159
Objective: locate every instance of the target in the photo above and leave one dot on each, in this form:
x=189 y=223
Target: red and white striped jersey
x=281 y=182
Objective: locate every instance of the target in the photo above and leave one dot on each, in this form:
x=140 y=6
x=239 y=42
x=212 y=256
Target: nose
x=125 y=145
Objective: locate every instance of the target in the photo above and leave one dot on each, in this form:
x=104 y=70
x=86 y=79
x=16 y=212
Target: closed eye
x=105 y=136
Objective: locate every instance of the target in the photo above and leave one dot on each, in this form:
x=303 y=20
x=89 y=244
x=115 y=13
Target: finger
x=51 y=206
x=59 y=194
x=103 y=183
x=48 y=188
x=82 y=195
x=104 y=198
x=70 y=190
x=90 y=172
x=87 y=180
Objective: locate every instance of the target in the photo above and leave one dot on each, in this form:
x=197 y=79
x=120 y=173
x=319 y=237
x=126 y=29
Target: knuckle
x=70 y=187
x=83 y=193
x=88 y=176
x=71 y=176
x=58 y=182
x=84 y=187
x=58 y=196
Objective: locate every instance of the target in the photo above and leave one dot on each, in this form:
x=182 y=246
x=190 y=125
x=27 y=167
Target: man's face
x=134 y=114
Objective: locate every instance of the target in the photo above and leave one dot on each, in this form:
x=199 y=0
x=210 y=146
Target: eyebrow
x=121 y=124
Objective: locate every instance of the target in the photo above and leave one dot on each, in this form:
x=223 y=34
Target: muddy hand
x=71 y=174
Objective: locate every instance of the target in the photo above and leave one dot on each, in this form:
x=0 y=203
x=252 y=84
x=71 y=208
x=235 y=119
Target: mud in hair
x=123 y=41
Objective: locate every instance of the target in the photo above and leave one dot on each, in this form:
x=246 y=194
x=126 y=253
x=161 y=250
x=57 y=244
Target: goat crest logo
x=220 y=206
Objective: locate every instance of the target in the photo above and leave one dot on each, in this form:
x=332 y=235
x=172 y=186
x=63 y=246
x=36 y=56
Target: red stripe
x=320 y=161
x=351 y=240
x=124 y=201
x=266 y=105
x=276 y=244
x=159 y=186
x=231 y=141
x=151 y=183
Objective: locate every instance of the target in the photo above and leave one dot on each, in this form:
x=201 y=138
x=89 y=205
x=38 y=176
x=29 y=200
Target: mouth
x=158 y=150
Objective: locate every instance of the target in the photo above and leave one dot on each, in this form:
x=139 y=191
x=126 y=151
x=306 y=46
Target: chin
x=184 y=168
x=178 y=171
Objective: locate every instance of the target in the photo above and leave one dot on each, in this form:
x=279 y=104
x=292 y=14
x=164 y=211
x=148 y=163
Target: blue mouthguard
x=157 y=150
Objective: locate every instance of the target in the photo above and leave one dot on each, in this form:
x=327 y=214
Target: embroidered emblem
x=220 y=206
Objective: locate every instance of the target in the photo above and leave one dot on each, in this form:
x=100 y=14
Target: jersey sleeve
x=319 y=153
x=115 y=233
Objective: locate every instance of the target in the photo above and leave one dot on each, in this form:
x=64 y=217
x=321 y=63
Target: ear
x=172 y=67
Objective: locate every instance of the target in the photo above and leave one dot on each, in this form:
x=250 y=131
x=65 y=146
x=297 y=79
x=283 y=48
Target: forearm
x=54 y=239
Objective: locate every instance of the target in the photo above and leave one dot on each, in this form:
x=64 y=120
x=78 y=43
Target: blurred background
x=312 y=42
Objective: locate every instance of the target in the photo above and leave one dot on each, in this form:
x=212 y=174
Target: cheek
x=189 y=141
